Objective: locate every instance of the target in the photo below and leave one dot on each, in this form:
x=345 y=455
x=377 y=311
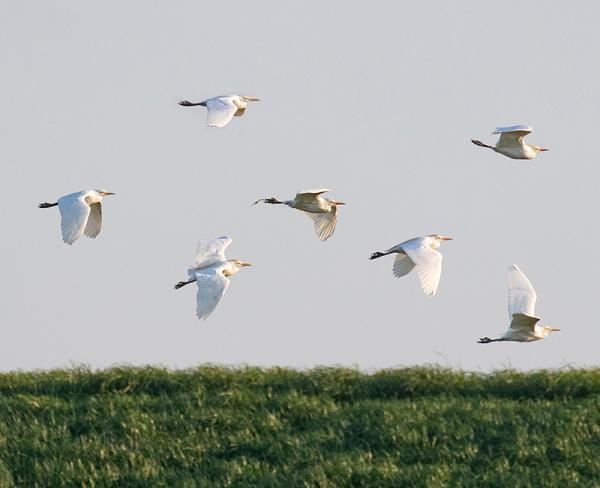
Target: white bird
x=511 y=143
x=322 y=211
x=210 y=272
x=81 y=213
x=222 y=109
x=420 y=252
x=521 y=311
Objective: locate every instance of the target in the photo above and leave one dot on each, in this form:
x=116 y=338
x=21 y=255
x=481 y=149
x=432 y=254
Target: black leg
x=480 y=144
x=183 y=283
x=378 y=254
x=271 y=200
x=185 y=103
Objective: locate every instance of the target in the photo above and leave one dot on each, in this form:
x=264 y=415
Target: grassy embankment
x=428 y=427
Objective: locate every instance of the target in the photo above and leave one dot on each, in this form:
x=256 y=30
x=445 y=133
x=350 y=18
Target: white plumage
x=210 y=272
x=81 y=213
x=211 y=251
x=521 y=295
x=223 y=108
x=420 y=253
x=322 y=211
x=521 y=311
x=511 y=142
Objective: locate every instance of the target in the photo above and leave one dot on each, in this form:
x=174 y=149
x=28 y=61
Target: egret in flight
x=322 y=211
x=222 y=109
x=210 y=272
x=422 y=253
x=521 y=311
x=511 y=142
x=81 y=213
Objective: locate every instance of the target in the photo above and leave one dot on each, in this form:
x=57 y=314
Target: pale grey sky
x=377 y=101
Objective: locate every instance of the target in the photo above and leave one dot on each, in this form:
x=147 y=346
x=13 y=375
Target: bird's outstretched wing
x=94 y=223
x=211 y=288
x=220 y=111
x=513 y=135
x=324 y=222
x=309 y=196
x=522 y=326
x=428 y=263
x=74 y=213
x=521 y=295
x=524 y=129
x=211 y=251
x=402 y=265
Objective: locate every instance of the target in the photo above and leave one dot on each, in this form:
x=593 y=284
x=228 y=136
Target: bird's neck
x=239 y=103
x=230 y=269
x=93 y=197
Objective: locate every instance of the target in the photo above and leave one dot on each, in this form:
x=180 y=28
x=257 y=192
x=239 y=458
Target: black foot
x=180 y=284
x=185 y=103
x=376 y=255
x=484 y=340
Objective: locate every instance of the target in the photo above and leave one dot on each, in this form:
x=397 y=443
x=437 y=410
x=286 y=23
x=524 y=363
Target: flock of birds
x=81 y=213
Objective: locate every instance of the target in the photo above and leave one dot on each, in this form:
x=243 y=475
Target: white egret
x=511 y=143
x=322 y=211
x=210 y=272
x=521 y=311
x=81 y=213
x=222 y=109
x=420 y=252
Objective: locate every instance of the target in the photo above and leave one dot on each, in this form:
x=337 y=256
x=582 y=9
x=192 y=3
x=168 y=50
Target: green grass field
x=426 y=427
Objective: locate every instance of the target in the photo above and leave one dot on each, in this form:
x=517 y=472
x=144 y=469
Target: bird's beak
x=108 y=193
x=543 y=149
x=446 y=238
x=246 y=264
x=554 y=330
x=339 y=203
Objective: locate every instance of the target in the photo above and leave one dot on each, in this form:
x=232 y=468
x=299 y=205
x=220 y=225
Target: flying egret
x=222 y=109
x=323 y=211
x=210 y=272
x=511 y=142
x=521 y=311
x=81 y=213
x=420 y=252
